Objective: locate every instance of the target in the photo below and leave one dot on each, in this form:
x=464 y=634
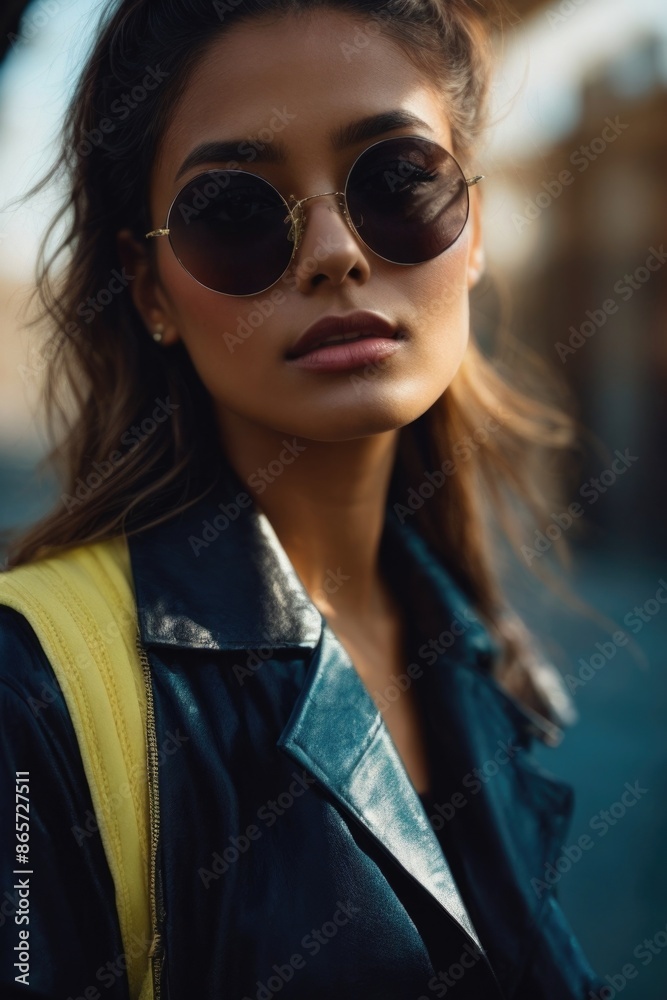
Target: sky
x=35 y=82
x=540 y=78
x=536 y=94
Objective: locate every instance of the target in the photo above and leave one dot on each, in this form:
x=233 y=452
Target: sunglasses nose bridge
x=297 y=213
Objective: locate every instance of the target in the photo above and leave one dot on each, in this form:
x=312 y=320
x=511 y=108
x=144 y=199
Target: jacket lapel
x=336 y=731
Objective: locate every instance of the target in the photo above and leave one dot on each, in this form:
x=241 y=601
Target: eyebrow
x=275 y=152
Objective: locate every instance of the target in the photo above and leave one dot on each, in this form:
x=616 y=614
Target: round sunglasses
x=406 y=198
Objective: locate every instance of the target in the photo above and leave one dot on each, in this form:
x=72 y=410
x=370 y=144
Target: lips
x=336 y=328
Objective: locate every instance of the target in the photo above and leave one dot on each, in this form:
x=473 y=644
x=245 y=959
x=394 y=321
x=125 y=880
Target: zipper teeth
x=156 y=949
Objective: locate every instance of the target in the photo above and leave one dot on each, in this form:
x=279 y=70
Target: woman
x=338 y=798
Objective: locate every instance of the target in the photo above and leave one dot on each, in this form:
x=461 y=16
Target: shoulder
x=58 y=605
x=25 y=669
x=34 y=715
x=71 y=594
x=94 y=568
x=37 y=733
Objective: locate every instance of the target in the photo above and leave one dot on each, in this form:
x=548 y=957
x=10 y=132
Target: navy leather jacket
x=296 y=859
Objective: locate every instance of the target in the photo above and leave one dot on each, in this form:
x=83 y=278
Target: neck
x=326 y=503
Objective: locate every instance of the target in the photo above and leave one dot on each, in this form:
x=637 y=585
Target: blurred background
x=575 y=206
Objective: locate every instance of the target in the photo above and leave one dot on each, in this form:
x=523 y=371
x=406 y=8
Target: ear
x=476 y=256
x=147 y=293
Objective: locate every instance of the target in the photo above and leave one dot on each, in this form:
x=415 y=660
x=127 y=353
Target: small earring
x=158 y=331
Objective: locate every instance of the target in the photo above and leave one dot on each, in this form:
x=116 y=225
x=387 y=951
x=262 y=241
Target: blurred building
x=577 y=235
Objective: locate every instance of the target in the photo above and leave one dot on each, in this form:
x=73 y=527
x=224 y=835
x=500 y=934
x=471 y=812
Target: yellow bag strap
x=82 y=608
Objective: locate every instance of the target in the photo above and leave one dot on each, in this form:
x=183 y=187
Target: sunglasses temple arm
x=474 y=180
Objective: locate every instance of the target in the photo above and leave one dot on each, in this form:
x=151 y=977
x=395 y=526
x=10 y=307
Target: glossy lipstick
x=321 y=348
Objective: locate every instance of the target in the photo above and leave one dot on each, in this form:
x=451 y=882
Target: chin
x=348 y=422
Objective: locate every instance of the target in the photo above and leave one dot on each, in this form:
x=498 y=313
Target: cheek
x=225 y=337
x=439 y=291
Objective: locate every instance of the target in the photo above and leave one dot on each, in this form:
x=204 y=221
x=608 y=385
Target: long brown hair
x=486 y=429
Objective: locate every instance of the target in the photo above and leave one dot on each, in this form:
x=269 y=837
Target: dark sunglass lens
x=408 y=199
x=227 y=228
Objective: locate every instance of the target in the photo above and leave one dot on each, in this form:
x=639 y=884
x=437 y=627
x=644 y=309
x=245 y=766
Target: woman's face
x=294 y=82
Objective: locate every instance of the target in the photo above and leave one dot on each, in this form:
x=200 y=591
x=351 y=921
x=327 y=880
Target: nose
x=298 y=213
x=325 y=246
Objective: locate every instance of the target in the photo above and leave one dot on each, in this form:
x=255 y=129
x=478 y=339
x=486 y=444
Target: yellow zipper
x=156 y=951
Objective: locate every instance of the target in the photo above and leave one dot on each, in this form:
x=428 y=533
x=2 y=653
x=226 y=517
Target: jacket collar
x=217 y=577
